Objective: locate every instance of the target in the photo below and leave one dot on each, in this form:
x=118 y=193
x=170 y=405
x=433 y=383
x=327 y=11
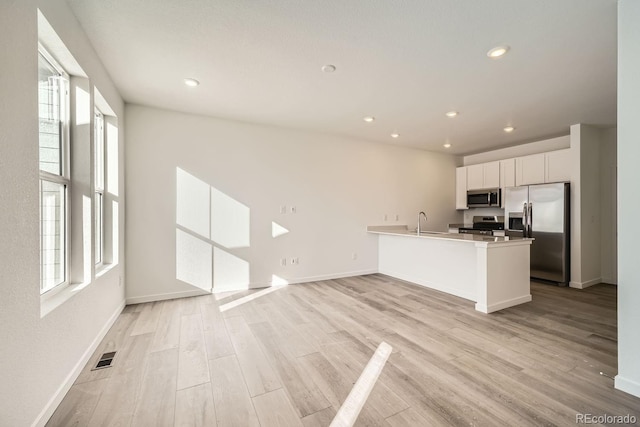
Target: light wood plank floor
x=289 y=357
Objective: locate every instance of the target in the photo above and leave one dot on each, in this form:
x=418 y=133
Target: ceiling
x=405 y=62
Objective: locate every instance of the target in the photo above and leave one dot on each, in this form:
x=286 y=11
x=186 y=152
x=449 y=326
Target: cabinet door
x=507 y=173
x=461 y=188
x=530 y=169
x=491 y=175
x=507 y=176
x=558 y=166
x=475 y=177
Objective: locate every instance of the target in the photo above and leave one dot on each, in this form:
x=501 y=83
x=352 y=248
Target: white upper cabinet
x=491 y=174
x=475 y=177
x=558 y=166
x=553 y=166
x=484 y=175
x=461 y=188
x=530 y=169
x=507 y=173
x=507 y=176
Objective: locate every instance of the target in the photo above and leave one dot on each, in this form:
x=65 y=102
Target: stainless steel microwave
x=483 y=198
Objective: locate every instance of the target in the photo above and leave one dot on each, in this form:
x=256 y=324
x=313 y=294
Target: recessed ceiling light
x=447 y=145
x=509 y=129
x=395 y=135
x=498 y=52
x=328 y=68
x=451 y=114
x=191 y=82
x=369 y=119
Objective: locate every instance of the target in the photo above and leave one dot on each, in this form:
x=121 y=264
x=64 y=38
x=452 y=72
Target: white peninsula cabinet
x=492 y=271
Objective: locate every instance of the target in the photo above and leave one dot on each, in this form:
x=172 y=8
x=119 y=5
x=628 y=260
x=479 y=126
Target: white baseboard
x=55 y=400
x=583 y=285
x=627 y=385
x=308 y=279
x=331 y=276
x=503 y=304
x=255 y=285
x=609 y=281
x=170 y=295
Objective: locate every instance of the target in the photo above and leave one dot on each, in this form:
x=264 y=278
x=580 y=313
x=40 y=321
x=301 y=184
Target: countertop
x=403 y=230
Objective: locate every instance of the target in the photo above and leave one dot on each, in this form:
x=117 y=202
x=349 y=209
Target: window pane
x=50 y=117
x=52 y=234
x=98 y=229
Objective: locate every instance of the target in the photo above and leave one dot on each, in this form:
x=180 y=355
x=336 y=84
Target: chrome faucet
x=421 y=214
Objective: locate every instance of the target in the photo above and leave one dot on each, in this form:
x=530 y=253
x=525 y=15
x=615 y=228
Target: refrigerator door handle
x=525 y=226
x=530 y=219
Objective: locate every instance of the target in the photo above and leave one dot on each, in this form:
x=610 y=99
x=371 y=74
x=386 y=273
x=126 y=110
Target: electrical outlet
x=283 y=209
x=293 y=209
x=354 y=256
x=120 y=281
x=386 y=217
x=283 y=262
x=397 y=217
x=295 y=261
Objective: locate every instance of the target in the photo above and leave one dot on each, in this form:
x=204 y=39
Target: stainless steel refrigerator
x=542 y=212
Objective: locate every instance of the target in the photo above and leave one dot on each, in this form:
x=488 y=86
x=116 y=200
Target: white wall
x=338 y=186
x=609 y=205
x=628 y=378
x=39 y=354
x=585 y=206
x=536 y=147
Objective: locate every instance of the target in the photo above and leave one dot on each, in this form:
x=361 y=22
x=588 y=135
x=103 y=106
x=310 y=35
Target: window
x=53 y=102
x=99 y=171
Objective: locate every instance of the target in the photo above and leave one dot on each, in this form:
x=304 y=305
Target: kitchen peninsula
x=492 y=271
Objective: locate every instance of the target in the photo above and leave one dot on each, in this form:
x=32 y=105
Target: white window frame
x=99 y=163
x=64 y=177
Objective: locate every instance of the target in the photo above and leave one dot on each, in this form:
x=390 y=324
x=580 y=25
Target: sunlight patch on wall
x=277 y=230
x=192 y=203
x=112 y=156
x=230 y=222
x=229 y=271
x=193 y=260
x=83 y=107
x=115 y=233
x=86 y=240
x=87 y=225
x=278 y=281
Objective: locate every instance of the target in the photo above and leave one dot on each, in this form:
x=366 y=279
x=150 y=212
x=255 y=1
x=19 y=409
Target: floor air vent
x=105 y=360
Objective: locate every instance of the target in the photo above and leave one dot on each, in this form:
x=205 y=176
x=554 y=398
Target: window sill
x=103 y=269
x=48 y=303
